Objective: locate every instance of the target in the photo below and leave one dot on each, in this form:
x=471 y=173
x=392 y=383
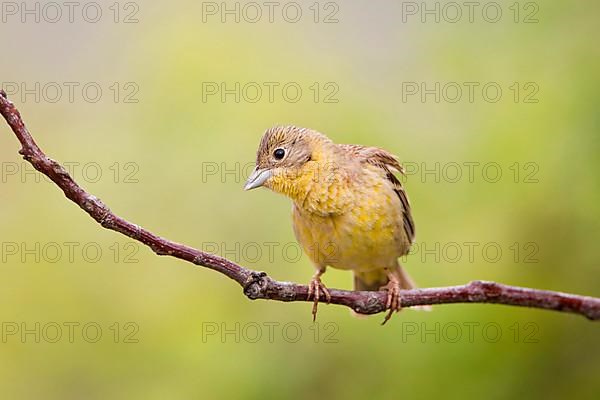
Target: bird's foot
x=393 y=303
x=315 y=289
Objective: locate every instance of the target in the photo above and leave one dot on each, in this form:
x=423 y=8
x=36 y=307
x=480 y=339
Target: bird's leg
x=393 y=295
x=315 y=288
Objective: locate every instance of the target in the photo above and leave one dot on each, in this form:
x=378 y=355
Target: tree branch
x=257 y=285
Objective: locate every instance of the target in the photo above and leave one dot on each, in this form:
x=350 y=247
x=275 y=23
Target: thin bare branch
x=257 y=285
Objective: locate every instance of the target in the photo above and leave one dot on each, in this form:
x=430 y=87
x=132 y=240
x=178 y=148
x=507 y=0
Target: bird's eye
x=279 y=154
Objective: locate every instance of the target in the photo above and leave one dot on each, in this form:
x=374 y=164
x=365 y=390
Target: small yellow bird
x=349 y=209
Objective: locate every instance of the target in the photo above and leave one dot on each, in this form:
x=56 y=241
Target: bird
x=349 y=209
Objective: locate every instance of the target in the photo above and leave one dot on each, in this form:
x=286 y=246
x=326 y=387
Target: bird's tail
x=376 y=279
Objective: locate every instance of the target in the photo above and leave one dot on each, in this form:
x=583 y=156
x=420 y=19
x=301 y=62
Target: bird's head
x=286 y=159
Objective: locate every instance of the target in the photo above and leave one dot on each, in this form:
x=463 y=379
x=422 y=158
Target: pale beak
x=257 y=178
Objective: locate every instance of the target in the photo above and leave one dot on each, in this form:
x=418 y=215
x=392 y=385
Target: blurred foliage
x=167 y=142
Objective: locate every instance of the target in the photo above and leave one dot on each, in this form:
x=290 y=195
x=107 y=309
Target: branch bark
x=257 y=285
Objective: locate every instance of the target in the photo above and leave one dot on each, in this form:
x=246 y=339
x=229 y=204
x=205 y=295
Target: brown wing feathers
x=389 y=163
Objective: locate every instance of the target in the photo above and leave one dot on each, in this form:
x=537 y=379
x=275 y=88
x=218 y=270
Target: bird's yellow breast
x=365 y=233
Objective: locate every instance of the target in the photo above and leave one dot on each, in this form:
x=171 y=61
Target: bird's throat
x=318 y=188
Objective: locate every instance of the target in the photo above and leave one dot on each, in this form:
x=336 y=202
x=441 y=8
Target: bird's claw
x=315 y=288
x=393 y=303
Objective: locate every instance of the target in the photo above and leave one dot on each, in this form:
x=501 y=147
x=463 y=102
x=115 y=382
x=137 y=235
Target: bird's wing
x=388 y=163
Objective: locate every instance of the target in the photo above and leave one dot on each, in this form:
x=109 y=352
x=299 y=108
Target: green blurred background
x=173 y=158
